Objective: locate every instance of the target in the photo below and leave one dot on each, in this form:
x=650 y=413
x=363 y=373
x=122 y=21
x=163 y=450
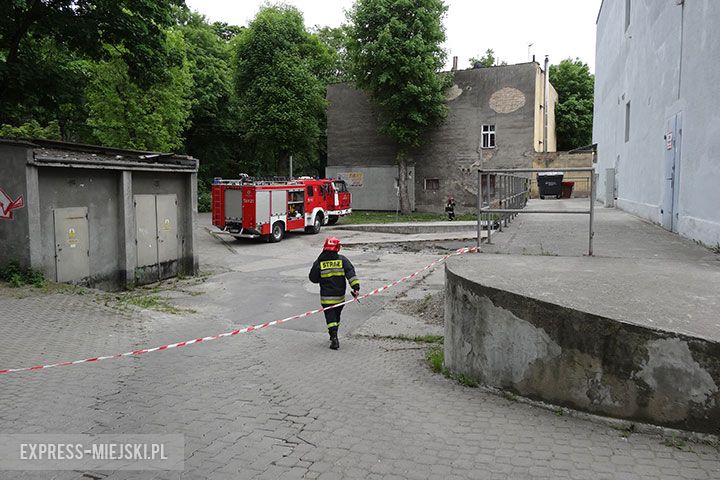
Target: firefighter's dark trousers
x=332 y=318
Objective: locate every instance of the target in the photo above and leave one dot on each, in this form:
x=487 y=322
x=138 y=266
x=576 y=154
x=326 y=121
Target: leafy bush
x=32 y=129
x=17 y=276
x=204 y=197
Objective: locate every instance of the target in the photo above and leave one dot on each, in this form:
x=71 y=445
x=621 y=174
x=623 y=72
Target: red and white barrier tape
x=185 y=343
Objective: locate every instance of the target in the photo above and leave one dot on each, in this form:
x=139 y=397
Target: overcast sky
x=559 y=28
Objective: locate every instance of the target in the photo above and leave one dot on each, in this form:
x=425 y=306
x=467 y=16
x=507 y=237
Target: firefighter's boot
x=334 y=343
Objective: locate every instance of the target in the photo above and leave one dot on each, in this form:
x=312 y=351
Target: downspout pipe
x=545 y=104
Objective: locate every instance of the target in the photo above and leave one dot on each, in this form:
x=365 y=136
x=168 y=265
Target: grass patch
x=713 y=248
x=467 y=381
x=428 y=339
x=675 y=442
x=17 y=276
x=434 y=339
x=363 y=216
x=435 y=358
x=425 y=303
x=625 y=431
x=144 y=301
x=149 y=297
x=509 y=396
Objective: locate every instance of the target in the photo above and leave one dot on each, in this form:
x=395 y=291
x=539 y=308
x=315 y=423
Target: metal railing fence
x=511 y=195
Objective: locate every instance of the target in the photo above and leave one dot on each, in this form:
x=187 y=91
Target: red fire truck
x=250 y=209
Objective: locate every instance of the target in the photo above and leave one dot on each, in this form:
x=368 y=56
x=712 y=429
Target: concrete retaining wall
x=587 y=362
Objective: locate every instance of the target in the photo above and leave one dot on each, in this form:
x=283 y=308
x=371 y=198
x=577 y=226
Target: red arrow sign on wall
x=7 y=205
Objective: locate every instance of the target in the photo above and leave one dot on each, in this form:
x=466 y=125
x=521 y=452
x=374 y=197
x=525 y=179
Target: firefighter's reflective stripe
x=331 y=300
x=333 y=324
x=332 y=273
x=353 y=281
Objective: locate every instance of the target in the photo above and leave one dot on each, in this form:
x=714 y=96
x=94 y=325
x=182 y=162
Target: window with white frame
x=488 y=136
x=432 y=184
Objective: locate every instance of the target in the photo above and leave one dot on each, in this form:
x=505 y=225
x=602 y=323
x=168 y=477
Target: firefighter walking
x=331 y=270
x=450 y=208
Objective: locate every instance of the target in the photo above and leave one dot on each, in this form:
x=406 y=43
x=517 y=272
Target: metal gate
x=72 y=245
x=156 y=237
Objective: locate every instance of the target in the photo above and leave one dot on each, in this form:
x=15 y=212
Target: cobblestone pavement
x=278 y=403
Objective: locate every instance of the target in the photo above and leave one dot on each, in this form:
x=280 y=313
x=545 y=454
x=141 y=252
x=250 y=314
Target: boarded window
x=432 y=184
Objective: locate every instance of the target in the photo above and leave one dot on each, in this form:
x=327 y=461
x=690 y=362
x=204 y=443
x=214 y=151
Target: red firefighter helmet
x=332 y=244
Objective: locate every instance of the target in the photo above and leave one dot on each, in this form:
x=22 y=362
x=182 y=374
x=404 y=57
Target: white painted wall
x=643 y=65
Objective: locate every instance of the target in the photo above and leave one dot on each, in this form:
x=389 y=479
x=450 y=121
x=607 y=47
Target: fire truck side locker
x=262 y=211
x=278 y=207
x=233 y=205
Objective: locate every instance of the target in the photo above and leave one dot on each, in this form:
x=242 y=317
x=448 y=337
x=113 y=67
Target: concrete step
x=408 y=228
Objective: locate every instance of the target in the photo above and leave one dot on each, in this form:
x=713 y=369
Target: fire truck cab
x=247 y=208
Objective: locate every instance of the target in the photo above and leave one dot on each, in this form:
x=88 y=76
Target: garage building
x=97 y=216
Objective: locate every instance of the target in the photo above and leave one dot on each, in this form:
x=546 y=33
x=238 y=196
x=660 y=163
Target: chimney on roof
x=455 y=64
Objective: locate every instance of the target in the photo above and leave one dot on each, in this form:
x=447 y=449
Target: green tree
x=335 y=39
x=487 y=60
x=214 y=135
x=41 y=94
x=278 y=73
x=125 y=114
x=32 y=129
x=45 y=46
x=574 y=111
x=225 y=31
x=395 y=55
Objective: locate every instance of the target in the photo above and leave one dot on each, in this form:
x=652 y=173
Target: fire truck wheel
x=317 y=225
x=277 y=233
x=333 y=219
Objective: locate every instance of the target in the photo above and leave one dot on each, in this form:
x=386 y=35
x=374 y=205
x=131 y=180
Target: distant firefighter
x=450 y=208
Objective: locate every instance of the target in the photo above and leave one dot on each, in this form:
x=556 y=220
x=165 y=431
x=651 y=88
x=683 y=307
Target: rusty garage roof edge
x=77 y=153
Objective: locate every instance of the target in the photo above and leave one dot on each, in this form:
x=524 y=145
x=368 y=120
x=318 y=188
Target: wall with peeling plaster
x=504 y=96
x=583 y=361
x=14 y=232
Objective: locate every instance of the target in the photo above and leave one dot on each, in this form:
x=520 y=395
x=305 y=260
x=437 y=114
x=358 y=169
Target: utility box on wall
x=97 y=216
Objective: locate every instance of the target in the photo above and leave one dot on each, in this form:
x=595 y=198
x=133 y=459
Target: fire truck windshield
x=340 y=186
